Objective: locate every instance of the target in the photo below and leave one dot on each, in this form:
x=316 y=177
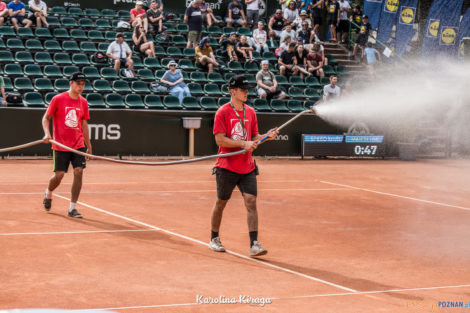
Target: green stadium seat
x=57 y=10
x=282 y=80
x=75 y=11
x=70 y=69
x=13 y=70
x=48 y=97
x=279 y=105
x=6 y=31
x=92 y=12
x=109 y=13
x=53 y=21
x=212 y=90
x=88 y=87
x=182 y=28
x=312 y=82
x=342 y=70
x=33 y=70
x=103 y=47
x=189 y=52
x=172 y=102
x=2 y=44
x=295 y=92
x=61 y=33
x=61 y=84
x=272 y=44
x=235 y=66
x=243 y=31
x=78 y=34
x=311 y=93
x=110 y=35
x=6 y=57
x=85 y=22
x=151 y=63
x=153 y=102
x=170 y=27
x=70 y=46
x=224 y=90
x=137 y=62
x=52 y=71
x=80 y=59
x=227 y=30
x=8 y=83
x=52 y=45
x=124 y=14
x=90 y=72
x=223 y=101
x=121 y=86
x=95 y=35
x=95 y=100
x=328 y=70
x=178 y=40
x=33 y=45
x=214 y=42
x=174 y=52
x=295 y=105
x=324 y=81
x=68 y=22
x=191 y=103
x=214 y=30
x=165 y=62
x=134 y=101
x=185 y=75
x=273 y=68
x=33 y=99
x=198 y=77
x=195 y=89
x=215 y=77
x=331 y=59
x=128 y=37
x=208 y=103
x=261 y=105
x=251 y=78
x=24 y=32
x=186 y=64
x=257 y=55
x=251 y=67
x=227 y=76
x=139 y=87
x=42 y=58
x=24 y=57
x=114 y=101
x=159 y=51
x=296 y=81
x=145 y=74
x=101 y=85
x=102 y=24
x=159 y=74
x=43 y=85
x=62 y=59
x=109 y=73
x=87 y=46
x=23 y=84
x=309 y=103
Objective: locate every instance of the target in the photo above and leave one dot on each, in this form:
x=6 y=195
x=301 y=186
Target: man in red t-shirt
x=139 y=16
x=69 y=111
x=236 y=127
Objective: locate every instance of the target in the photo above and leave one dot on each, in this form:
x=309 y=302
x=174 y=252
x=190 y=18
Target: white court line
x=293 y=298
x=78 y=232
x=397 y=196
x=207 y=245
x=152 y=183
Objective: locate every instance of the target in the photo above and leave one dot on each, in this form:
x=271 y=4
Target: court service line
x=78 y=232
x=206 y=245
x=397 y=196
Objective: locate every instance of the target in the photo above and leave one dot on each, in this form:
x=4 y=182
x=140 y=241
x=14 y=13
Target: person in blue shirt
x=174 y=79
x=370 y=52
x=17 y=11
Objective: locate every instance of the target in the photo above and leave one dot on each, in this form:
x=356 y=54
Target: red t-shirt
x=227 y=122
x=134 y=12
x=67 y=115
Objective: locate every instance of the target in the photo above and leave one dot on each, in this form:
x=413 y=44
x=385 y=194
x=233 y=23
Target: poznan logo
x=407 y=15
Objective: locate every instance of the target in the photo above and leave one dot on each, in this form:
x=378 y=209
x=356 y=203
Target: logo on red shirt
x=71 y=117
x=238 y=133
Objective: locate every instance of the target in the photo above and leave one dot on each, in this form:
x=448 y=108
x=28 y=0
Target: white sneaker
x=216 y=245
x=257 y=250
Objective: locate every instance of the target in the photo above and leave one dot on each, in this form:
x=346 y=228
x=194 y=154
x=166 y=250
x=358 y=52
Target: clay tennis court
x=342 y=236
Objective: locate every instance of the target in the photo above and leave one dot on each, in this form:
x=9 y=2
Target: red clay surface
x=334 y=230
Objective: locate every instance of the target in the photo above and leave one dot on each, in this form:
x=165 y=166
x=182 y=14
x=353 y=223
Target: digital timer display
x=342 y=145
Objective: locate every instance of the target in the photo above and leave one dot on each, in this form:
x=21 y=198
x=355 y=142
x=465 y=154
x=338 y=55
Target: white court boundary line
x=207 y=245
x=293 y=298
x=151 y=183
x=79 y=232
x=397 y=196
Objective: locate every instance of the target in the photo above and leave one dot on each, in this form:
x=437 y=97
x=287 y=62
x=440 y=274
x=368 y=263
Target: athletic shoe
x=74 y=213
x=216 y=245
x=257 y=250
x=47 y=203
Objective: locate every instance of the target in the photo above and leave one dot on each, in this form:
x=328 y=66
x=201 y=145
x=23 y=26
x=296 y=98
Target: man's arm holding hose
x=45 y=126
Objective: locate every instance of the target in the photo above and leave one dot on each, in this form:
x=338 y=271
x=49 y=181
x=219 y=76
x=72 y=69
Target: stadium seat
x=68 y=22
x=282 y=80
x=61 y=84
x=295 y=105
x=223 y=101
x=227 y=30
x=52 y=45
x=62 y=59
x=43 y=85
x=33 y=70
x=95 y=35
x=61 y=33
x=52 y=71
x=24 y=32
x=88 y=87
x=23 y=57
x=2 y=44
x=235 y=66
x=198 y=77
x=57 y=10
x=6 y=57
x=224 y=90
x=8 y=83
x=342 y=70
x=279 y=105
x=191 y=103
x=328 y=70
x=195 y=89
x=103 y=47
x=95 y=100
x=102 y=24
x=80 y=59
x=159 y=51
x=182 y=28
x=124 y=14
x=137 y=62
x=53 y=21
x=208 y=103
x=6 y=31
x=128 y=37
x=23 y=84
x=189 y=52
x=257 y=55
x=251 y=78
x=165 y=62
x=92 y=12
x=251 y=67
x=186 y=64
x=309 y=103
x=33 y=45
x=70 y=46
x=75 y=11
x=85 y=22
x=42 y=58
x=174 y=52
x=227 y=76
x=296 y=81
x=331 y=59
x=311 y=94
x=101 y=85
x=87 y=46
x=214 y=43
x=312 y=82
x=261 y=105
x=214 y=30
x=243 y=31
x=121 y=86
x=172 y=102
x=13 y=70
x=48 y=97
x=109 y=13
x=145 y=74
x=295 y=92
x=33 y=99
x=110 y=35
x=134 y=101
x=215 y=77
x=178 y=40
x=170 y=27
x=78 y=34
x=151 y=63
x=153 y=102
x=139 y=87
x=159 y=74
x=212 y=90
x=114 y=101
x=90 y=72
x=324 y=81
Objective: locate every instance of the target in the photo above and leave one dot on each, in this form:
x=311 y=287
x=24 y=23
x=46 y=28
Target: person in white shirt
x=38 y=12
x=291 y=12
x=331 y=91
x=343 y=27
x=288 y=32
x=252 y=11
x=260 y=37
x=120 y=53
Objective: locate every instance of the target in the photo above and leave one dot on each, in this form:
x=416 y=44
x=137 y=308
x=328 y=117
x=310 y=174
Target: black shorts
x=317 y=20
x=123 y=61
x=204 y=67
x=362 y=40
x=227 y=180
x=19 y=18
x=62 y=159
x=343 y=26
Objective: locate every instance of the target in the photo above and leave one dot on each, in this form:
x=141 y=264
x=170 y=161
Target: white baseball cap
x=139 y=3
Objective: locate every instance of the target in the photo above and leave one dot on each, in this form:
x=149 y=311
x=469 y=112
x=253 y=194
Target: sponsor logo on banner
x=407 y=15
x=104 y=132
x=433 y=28
x=391 y=6
x=359 y=128
x=448 y=35
x=214 y=5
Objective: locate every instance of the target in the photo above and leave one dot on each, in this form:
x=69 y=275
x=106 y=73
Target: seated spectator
x=321 y=50
x=205 y=58
x=148 y=3
x=331 y=91
x=244 y=51
x=288 y=62
x=141 y=44
x=229 y=46
x=283 y=46
x=235 y=14
x=252 y=12
x=193 y=18
x=4 y=12
x=363 y=37
x=316 y=8
x=174 y=79
x=208 y=16
x=155 y=17
x=306 y=34
x=276 y=25
x=139 y=16
x=288 y=31
x=333 y=18
x=370 y=52
x=119 y=53
x=2 y=89
x=301 y=56
x=38 y=13
x=267 y=83
x=260 y=38
x=17 y=12
x=303 y=17
x=315 y=62
x=291 y=13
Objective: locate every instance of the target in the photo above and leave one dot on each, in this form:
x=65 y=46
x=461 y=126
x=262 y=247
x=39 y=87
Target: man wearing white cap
x=139 y=16
x=267 y=83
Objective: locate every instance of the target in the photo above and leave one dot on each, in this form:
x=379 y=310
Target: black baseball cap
x=77 y=76
x=365 y=16
x=239 y=81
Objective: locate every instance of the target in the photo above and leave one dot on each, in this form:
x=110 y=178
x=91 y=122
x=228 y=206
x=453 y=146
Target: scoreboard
x=342 y=145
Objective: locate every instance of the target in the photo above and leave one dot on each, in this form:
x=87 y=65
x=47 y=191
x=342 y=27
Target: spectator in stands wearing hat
x=228 y=46
x=4 y=12
x=260 y=38
x=205 y=58
x=315 y=61
x=331 y=91
x=207 y=14
x=17 y=12
x=235 y=14
x=119 y=53
x=288 y=31
x=252 y=11
x=288 y=62
x=291 y=13
x=276 y=25
x=38 y=12
x=141 y=44
x=363 y=37
x=193 y=18
x=244 y=50
x=303 y=17
x=267 y=83
x=139 y=16
x=155 y=17
x=174 y=79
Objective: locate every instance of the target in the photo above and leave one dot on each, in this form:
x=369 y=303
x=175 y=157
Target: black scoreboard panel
x=342 y=145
